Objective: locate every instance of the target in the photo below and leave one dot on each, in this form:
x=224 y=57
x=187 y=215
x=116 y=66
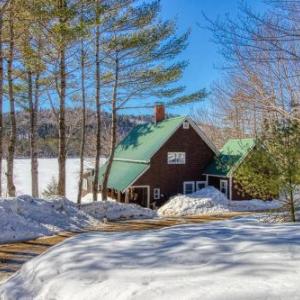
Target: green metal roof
x=122 y=173
x=144 y=140
x=133 y=153
x=231 y=155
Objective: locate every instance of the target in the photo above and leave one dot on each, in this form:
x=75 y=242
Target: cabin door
x=140 y=195
x=224 y=187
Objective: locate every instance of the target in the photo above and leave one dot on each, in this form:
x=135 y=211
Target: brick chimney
x=159 y=112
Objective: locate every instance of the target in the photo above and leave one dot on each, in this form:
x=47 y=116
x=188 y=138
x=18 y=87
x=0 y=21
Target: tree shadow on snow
x=244 y=249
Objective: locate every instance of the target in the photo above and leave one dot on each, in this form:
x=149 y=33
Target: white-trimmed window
x=188 y=187
x=224 y=187
x=200 y=185
x=176 y=158
x=156 y=193
x=186 y=124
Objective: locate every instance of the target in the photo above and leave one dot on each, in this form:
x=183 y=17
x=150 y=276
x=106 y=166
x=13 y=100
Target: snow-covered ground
x=210 y=201
x=88 y=198
x=48 y=168
x=254 y=205
x=24 y=218
x=113 y=210
x=236 y=259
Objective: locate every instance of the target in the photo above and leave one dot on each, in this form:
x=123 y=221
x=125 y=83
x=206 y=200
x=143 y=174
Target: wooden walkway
x=14 y=255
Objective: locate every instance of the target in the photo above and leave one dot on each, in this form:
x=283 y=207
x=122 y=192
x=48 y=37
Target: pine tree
x=274 y=166
x=30 y=50
x=138 y=62
x=83 y=61
x=51 y=189
x=62 y=20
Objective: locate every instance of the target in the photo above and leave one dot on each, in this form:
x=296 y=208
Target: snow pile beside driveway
x=113 y=210
x=233 y=259
x=206 y=201
x=211 y=201
x=25 y=217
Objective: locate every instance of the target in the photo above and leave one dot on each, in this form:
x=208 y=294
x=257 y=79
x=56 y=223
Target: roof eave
x=216 y=175
x=239 y=162
x=138 y=177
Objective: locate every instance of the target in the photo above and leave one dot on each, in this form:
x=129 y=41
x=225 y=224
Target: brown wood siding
x=170 y=178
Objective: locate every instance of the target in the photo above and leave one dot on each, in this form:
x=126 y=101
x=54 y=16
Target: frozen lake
x=48 y=168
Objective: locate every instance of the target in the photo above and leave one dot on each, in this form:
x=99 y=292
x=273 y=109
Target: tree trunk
x=292 y=206
x=98 y=109
x=33 y=127
x=12 y=141
x=82 y=145
x=62 y=125
x=3 y=8
x=1 y=102
x=113 y=132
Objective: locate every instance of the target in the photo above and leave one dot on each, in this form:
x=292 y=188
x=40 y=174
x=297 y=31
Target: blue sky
x=203 y=55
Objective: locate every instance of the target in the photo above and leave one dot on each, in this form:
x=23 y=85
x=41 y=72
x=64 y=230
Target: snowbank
x=25 y=217
x=233 y=259
x=113 y=210
x=211 y=201
x=206 y=201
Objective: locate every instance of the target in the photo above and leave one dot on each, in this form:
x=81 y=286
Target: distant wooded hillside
x=48 y=132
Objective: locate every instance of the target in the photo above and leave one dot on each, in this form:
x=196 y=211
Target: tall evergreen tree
x=274 y=167
x=83 y=62
x=138 y=60
x=30 y=68
x=63 y=30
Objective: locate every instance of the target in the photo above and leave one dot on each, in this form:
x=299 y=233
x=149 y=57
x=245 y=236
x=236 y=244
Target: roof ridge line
x=166 y=119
